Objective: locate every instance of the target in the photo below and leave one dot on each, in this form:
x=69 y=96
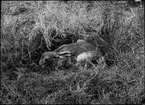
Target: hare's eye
x=45 y=59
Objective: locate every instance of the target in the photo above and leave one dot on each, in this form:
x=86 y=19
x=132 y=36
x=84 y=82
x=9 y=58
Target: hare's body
x=76 y=48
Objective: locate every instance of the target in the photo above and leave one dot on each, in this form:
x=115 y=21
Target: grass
x=30 y=28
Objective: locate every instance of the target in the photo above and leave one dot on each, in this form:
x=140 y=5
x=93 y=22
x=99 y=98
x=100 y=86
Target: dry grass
x=30 y=28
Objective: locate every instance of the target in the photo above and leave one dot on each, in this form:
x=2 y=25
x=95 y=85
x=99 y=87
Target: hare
x=82 y=51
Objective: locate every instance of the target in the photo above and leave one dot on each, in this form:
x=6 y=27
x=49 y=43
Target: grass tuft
x=30 y=28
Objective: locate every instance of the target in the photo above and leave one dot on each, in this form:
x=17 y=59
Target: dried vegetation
x=29 y=28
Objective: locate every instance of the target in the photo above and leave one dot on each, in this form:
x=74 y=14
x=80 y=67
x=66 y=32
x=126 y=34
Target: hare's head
x=51 y=55
x=46 y=56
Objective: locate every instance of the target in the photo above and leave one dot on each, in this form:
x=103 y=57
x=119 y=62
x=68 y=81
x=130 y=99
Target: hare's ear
x=60 y=48
x=80 y=40
x=61 y=57
x=65 y=54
